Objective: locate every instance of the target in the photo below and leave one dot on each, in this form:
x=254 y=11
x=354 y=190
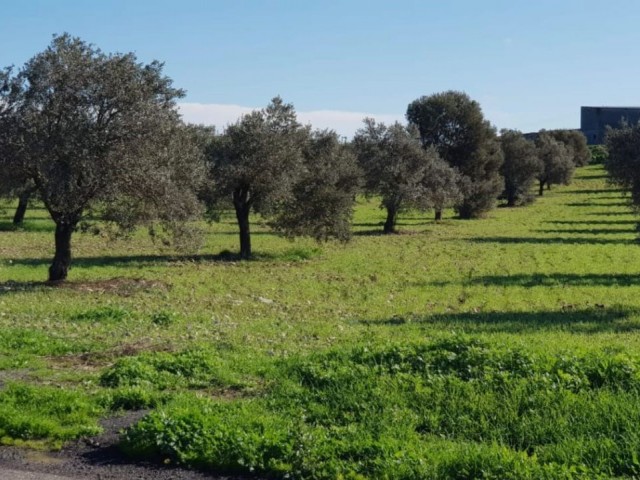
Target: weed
x=102 y=314
x=164 y=318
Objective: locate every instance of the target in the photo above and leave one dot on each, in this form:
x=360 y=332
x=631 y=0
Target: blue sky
x=530 y=64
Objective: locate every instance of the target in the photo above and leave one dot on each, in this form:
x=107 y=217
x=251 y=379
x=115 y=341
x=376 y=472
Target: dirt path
x=97 y=458
x=19 y=475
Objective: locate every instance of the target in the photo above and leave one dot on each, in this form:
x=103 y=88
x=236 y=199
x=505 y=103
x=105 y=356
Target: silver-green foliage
x=401 y=172
x=92 y=129
x=520 y=168
x=455 y=126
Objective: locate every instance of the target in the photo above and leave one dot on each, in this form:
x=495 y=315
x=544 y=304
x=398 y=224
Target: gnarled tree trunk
x=438 y=215
x=59 y=268
x=242 y=205
x=541 y=191
x=23 y=203
x=390 y=223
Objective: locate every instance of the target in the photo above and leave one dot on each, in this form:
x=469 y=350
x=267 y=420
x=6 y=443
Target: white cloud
x=221 y=115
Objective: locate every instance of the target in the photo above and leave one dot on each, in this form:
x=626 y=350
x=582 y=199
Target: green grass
x=387 y=412
x=263 y=365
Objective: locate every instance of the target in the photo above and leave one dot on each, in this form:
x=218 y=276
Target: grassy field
x=498 y=348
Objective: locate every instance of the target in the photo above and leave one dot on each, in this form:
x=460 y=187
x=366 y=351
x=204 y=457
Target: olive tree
x=558 y=166
x=255 y=164
x=322 y=199
x=520 y=168
x=96 y=131
x=12 y=183
x=400 y=171
x=454 y=125
x=576 y=143
x=269 y=164
x=623 y=160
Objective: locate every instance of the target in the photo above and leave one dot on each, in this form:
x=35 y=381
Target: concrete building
x=595 y=120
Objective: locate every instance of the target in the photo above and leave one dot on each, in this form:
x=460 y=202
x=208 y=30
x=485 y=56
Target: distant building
x=595 y=120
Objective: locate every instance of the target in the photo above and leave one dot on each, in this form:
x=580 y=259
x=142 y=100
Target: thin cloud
x=343 y=122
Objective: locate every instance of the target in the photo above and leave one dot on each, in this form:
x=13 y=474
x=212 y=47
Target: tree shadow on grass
x=590 y=320
x=593 y=222
x=370 y=233
x=141 y=261
x=553 y=240
x=120 y=286
x=27 y=226
x=273 y=234
x=592 y=231
x=551 y=280
x=614 y=197
x=607 y=214
x=594 y=191
x=147 y=260
x=594 y=177
x=598 y=204
x=399 y=224
x=380 y=232
x=11 y=287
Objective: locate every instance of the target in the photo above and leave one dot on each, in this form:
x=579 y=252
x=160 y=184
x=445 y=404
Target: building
x=595 y=120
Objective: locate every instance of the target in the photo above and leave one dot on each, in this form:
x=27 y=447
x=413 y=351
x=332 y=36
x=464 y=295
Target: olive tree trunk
x=23 y=203
x=242 y=206
x=541 y=191
x=62 y=259
x=438 y=215
x=390 y=223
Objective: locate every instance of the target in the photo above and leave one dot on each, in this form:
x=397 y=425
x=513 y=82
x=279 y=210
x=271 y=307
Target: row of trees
x=550 y=159
x=623 y=160
x=98 y=135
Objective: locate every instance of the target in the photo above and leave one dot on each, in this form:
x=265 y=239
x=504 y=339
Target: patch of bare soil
x=98 y=458
x=92 y=361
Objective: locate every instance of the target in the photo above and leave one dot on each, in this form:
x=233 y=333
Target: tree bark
x=390 y=224
x=62 y=258
x=23 y=203
x=511 y=200
x=243 y=207
x=438 y=216
x=541 y=191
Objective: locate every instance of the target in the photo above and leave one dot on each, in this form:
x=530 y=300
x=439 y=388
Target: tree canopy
x=321 y=203
x=398 y=169
x=623 y=161
x=94 y=130
x=269 y=164
x=454 y=125
x=576 y=143
x=558 y=166
x=520 y=168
